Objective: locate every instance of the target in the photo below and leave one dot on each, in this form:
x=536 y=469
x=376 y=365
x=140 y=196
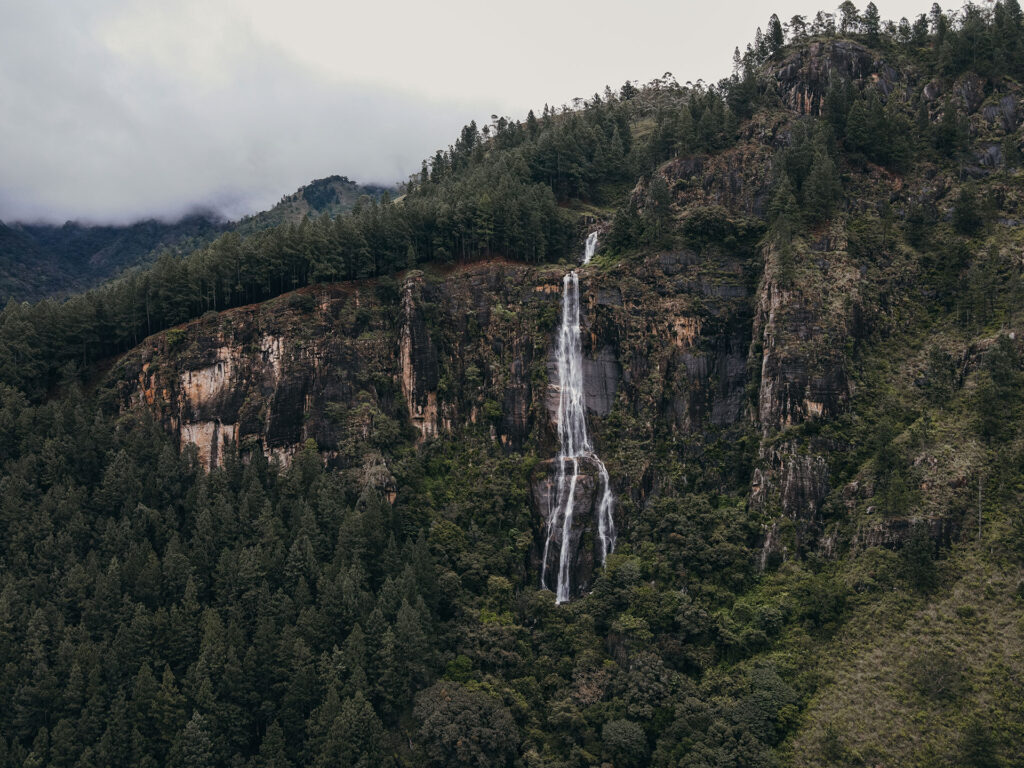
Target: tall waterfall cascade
x=574 y=443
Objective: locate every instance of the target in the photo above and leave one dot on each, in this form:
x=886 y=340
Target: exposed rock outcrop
x=418 y=360
x=601 y=375
x=803 y=335
x=1004 y=113
x=333 y=364
x=356 y=366
x=893 y=533
x=804 y=77
x=803 y=371
x=793 y=485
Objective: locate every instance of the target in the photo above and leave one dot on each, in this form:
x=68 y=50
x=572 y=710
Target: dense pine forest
x=45 y=260
x=806 y=307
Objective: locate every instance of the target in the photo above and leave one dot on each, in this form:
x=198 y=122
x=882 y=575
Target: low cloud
x=107 y=118
x=118 y=109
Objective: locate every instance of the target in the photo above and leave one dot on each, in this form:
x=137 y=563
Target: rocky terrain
x=697 y=345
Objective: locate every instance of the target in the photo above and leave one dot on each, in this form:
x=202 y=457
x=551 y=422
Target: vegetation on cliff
x=807 y=312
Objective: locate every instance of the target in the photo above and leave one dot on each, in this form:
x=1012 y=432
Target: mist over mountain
x=117 y=111
x=39 y=260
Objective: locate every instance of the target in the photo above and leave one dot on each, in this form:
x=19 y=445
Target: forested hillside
x=282 y=501
x=329 y=196
x=41 y=260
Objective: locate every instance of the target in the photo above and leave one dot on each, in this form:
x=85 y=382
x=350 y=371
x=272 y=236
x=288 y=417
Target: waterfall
x=591 y=247
x=573 y=441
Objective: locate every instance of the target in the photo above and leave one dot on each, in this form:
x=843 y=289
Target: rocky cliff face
x=804 y=329
x=465 y=351
x=687 y=352
x=418 y=362
x=683 y=350
x=337 y=364
x=804 y=77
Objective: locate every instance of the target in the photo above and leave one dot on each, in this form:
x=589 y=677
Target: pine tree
x=798 y=27
x=413 y=645
x=532 y=126
x=65 y=747
x=950 y=132
x=824 y=24
x=783 y=211
x=859 y=134
x=836 y=109
x=821 y=188
x=1013 y=15
x=760 y=45
x=775 y=37
x=391 y=685
x=904 y=33
x=939 y=24
x=168 y=710
x=272 y=749
x=193 y=747
x=784 y=215
x=302 y=690
x=144 y=693
x=40 y=754
x=872 y=23
x=114 y=748
x=919 y=31
x=319 y=723
x=139 y=752
x=626 y=227
x=355 y=738
x=849 y=18
x=658 y=213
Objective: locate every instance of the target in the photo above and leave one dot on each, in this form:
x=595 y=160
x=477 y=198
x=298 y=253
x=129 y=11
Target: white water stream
x=574 y=442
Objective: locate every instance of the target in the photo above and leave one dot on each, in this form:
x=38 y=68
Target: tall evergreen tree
x=849 y=18
x=872 y=23
x=775 y=37
x=273 y=753
x=355 y=739
x=822 y=189
x=193 y=747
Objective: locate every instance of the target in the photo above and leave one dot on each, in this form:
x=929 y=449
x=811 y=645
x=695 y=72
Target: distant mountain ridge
x=331 y=195
x=41 y=260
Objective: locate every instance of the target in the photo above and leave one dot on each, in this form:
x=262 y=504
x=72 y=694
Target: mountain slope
x=306 y=526
x=40 y=260
x=332 y=196
x=28 y=269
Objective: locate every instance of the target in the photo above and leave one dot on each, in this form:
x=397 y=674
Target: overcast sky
x=112 y=110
